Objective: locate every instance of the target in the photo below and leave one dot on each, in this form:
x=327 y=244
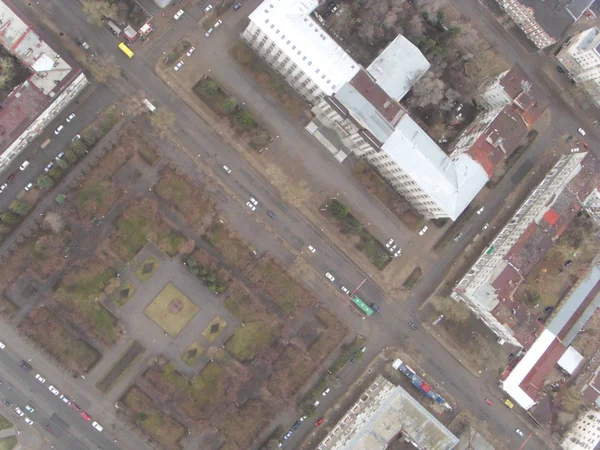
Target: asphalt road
x=67 y=429
x=390 y=327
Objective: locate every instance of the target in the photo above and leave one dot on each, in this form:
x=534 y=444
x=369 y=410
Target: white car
x=423 y=231
x=29 y=408
x=28 y=421
x=253 y=200
x=3 y=186
x=330 y=277
x=190 y=51
x=64 y=399
x=76 y=138
x=519 y=432
x=71 y=117
x=575 y=150
x=227 y=169
x=316 y=403
x=398 y=253
x=49 y=166
x=97 y=426
x=24 y=165
x=326 y=391
x=178 y=66
x=345 y=290
x=208 y=8
x=217 y=24
x=393 y=248
x=485 y=227
x=581 y=131
x=251 y=206
x=59 y=129
x=208 y=32
x=59 y=156
x=480 y=210
x=28 y=187
x=19 y=412
x=40 y=378
x=312 y=249
x=53 y=390
x=390 y=242
x=2 y=346
x=178 y=14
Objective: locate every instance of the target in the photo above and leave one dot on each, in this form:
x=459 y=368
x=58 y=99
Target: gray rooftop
x=551 y=15
x=577 y=7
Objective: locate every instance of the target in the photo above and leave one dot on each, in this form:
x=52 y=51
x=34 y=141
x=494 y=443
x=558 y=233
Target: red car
x=586 y=145
x=85 y=416
x=319 y=422
x=10 y=178
x=489 y=402
x=74 y=406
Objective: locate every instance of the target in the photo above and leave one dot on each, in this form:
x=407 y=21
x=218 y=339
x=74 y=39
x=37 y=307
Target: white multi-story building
x=524 y=17
x=584 y=433
x=580 y=55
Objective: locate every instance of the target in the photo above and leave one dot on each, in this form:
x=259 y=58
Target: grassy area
x=153 y=422
x=80 y=291
x=240 y=119
x=145 y=271
x=233 y=249
x=135 y=351
x=244 y=425
x=332 y=334
x=186 y=198
x=214 y=328
x=289 y=294
x=192 y=353
x=171 y=310
x=377 y=186
x=8 y=443
x=413 y=278
x=51 y=334
x=338 y=213
x=289 y=99
x=5 y=423
x=247 y=340
x=124 y=293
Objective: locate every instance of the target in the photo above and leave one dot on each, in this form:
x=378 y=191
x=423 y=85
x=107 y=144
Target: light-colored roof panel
x=451 y=182
x=570 y=360
x=289 y=21
x=398 y=67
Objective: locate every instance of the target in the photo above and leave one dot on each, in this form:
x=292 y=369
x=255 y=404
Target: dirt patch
x=239 y=303
x=375 y=185
x=127 y=359
x=186 y=198
x=59 y=340
x=290 y=372
x=146 y=415
x=249 y=338
x=413 y=278
x=331 y=334
x=288 y=293
x=234 y=249
x=7 y=308
x=278 y=88
x=241 y=428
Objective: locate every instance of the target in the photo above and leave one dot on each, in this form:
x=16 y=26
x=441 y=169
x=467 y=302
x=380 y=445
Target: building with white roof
x=284 y=34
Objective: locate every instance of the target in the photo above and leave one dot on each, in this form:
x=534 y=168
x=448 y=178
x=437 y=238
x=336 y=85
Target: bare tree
x=96 y=10
x=415 y=27
x=390 y=19
x=456 y=312
x=133 y=104
x=366 y=31
x=103 y=67
x=7 y=71
x=162 y=121
x=428 y=90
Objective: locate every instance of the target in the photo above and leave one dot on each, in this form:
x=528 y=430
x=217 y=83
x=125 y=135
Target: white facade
x=292 y=43
x=491 y=94
x=524 y=17
x=581 y=55
x=584 y=434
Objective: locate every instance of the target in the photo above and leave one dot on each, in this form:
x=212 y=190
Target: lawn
x=234 y=250
x=155 y=423
x=124 y=293
x=8 y=443
x=248 y=339
x=5 y=423
x=214 y=328
x=243 y=426
x=191 y=354
x=289 y=294
x=134 y=351
x=80 y=293
x=51 y=334
x=186 y=198
x=171 y=310
x=145 y=271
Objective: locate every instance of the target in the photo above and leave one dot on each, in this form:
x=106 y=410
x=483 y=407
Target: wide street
x=389 y=328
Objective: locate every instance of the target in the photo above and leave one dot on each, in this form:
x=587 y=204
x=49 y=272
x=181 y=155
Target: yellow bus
x=126 y=50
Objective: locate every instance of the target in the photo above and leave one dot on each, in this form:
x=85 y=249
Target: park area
x=171 y=310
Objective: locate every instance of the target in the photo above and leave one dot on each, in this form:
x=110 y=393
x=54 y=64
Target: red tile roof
x=551 y=217
x=369 y=89
x=533 y=383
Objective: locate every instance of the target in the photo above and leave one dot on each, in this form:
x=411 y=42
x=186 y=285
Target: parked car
x=49 y=166
x=19 y=411
x=74 y=406
x=10 y=178
x=6 y=402
x=97 y=426
x=485 y=227
x=3 y=186
x=560 y=69
x=295 y=426
x=330 y=277
x=423 y=231
x=581 y=131
x=40 y=378
x=24 y=165
x=316 y=403
x=312 y=249
x=76 y=138
x=71 y=117
x=28 y=421
x=375 y=307
x=64 y=399
x=59 y=129
x=288 y=435
x=271 y=215
x=208 y=8
x=178 y=14
x=2 y=346
x=319 y=422
x=53 y=390
x=489 y=402
x=237 y=6
x=519 y=432
x=253 y=200
x=390 y=242
x=326 y=391
x=458 y=237
x=345 y=290
x=28 y=187
x=569 y=139
x=85 y=416
x=190 y=51
x=29 y=408
x=59 y=156
x=398 y=253
x=480 y=210
x=208 y=32
x=575 y=150
x=178 y=66
x=25 y=365
x=412 y=325
x=227 y=170
x=251 y=206
x=217 y=24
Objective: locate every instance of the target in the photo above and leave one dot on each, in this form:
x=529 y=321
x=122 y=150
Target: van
x=508 y=403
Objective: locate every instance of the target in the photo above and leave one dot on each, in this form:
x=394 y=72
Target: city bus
x=126 y=50
x=365 y=309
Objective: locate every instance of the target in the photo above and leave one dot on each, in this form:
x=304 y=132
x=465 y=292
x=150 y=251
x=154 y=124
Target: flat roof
x=577 y=7
x=305 y=42
x=551 y=15
x=570 y=360
x=452 y=182
x=398 y=67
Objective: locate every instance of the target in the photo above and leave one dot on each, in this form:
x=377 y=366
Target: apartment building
x=580 y=55
x=584 y=433
x=489 y=285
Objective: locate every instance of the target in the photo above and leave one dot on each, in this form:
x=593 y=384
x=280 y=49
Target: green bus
x=366 y=310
